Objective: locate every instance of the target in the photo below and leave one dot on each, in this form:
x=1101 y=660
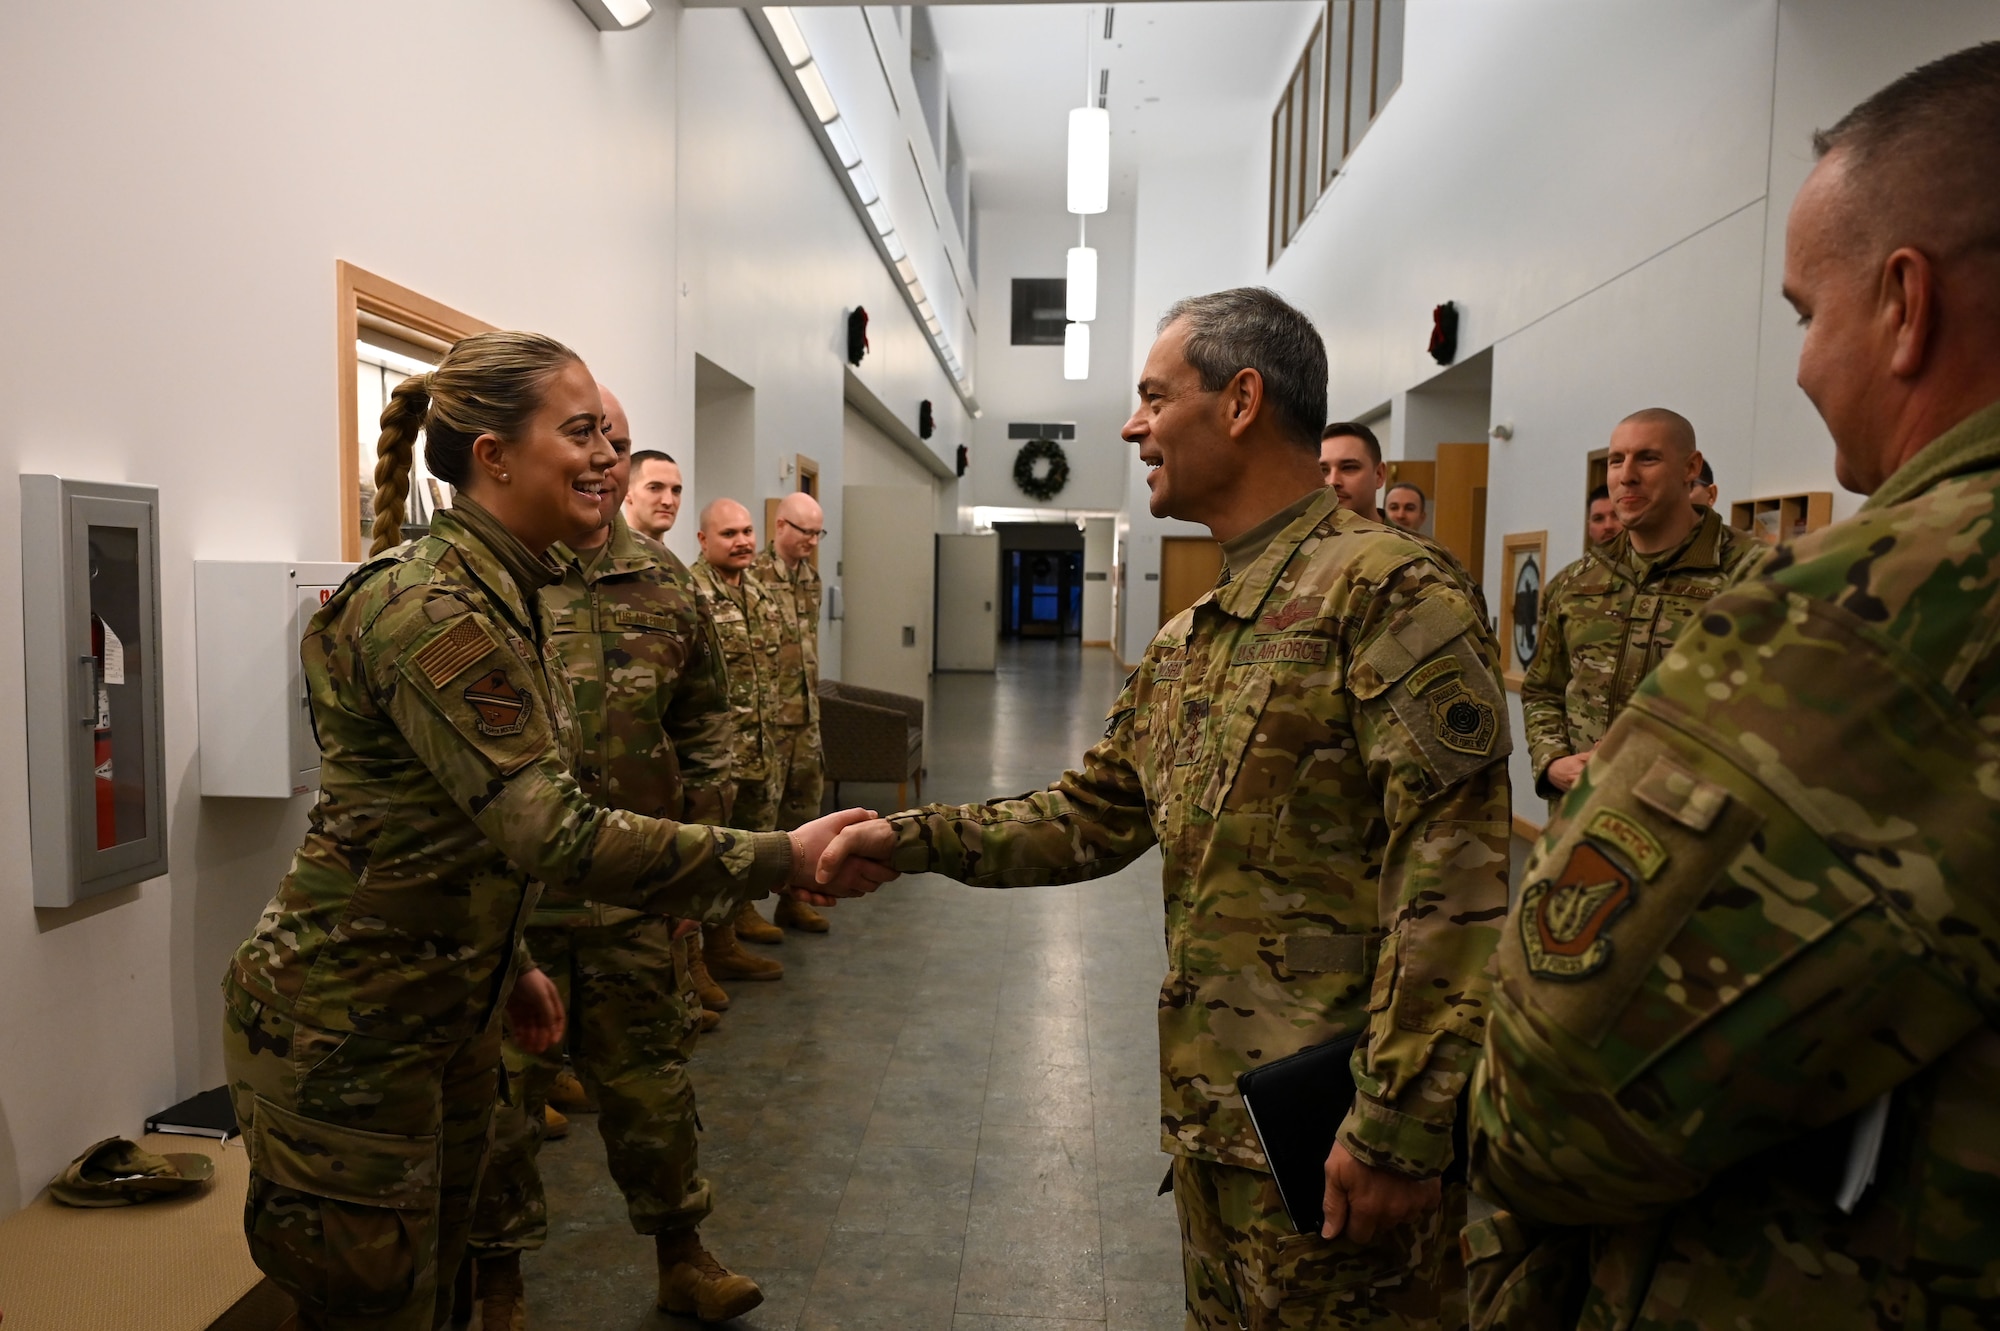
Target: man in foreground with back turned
x=1743 y=1068
x=1317 y=748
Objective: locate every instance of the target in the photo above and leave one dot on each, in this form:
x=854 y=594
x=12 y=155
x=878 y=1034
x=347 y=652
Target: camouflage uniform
x=750 y=623
x=796 y=728
x=362 y=1029
x=1316 y=748
x=651 y=706
x=1442 y=556
x=1609 y=619
x=1770 y=902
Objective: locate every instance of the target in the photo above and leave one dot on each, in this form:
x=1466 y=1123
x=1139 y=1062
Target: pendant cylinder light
x=1076 y=351
x=1081 y=285
x=1089 y=160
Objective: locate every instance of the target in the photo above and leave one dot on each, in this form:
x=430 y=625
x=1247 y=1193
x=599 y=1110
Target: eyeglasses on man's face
x=810 y=533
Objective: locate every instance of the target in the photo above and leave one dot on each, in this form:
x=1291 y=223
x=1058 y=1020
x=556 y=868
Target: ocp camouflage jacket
x=798 y=592
x=1606 y=621
x=1771 y=901
x=446 y=734
x=1317 y=748
x=652 y=705
x=750 y=624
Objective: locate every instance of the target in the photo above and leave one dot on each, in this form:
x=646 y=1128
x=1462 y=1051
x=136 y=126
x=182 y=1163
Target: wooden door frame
x=358 y=292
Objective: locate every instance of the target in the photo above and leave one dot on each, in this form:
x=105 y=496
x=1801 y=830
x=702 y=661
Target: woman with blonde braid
x=364 y=1013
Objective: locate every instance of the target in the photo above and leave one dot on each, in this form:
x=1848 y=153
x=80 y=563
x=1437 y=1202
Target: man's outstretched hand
x=1363 y=1201
x=857 y=877
x=861 y=848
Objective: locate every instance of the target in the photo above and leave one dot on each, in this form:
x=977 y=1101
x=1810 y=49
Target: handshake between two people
x=844 y=854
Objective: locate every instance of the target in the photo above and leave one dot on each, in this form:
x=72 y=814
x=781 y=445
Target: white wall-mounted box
x=256 y=727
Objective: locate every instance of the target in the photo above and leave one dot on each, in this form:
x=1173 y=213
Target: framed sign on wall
x=1525 y=558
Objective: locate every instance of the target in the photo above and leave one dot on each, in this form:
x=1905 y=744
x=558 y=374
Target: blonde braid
x=395 y=458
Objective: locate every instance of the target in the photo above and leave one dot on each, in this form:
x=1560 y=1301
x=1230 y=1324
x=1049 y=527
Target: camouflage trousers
x=364 y=1160
x=792 y=796
x=632 y=1022
x=1246 y=1267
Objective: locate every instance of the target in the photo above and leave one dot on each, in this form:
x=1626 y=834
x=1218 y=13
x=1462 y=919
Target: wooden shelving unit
x=1782 y=517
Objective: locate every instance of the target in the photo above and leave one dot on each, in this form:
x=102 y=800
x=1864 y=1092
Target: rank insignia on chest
x=1462 y=720
x=501 y=708
x=1564 y=920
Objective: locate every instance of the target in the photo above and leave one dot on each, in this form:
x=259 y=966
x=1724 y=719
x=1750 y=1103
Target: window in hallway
x=1352 y=62
x=1039 y=318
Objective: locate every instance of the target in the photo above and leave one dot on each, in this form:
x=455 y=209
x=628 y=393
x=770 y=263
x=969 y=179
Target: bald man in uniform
x=787 y=570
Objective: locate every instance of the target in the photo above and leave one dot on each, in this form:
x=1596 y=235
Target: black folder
x=209 y=1114
x=1296 y=1105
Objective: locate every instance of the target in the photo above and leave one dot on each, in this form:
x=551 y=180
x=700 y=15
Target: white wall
x=1027 y=384
x=183 y=178
x=1097 y=538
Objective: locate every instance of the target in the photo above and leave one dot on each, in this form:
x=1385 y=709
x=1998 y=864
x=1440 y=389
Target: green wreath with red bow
x=1043 y=485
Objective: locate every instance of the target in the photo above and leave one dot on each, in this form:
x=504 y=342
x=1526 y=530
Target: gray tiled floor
x=946 y=1115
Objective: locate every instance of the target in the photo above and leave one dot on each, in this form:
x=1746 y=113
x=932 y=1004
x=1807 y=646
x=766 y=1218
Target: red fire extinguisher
x=107 y=804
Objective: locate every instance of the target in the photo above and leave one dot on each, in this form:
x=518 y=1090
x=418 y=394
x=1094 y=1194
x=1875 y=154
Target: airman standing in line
x=654 y=500
x=787 y=570
x=1350 y=458
x=1612 y=616
x=750 y=622
x=1744 y=1062
x=1317 y=746
x=652 y=709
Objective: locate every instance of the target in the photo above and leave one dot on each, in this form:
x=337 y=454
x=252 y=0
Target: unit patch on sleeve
x=1564 y=920
x=502 y=709
x=1462 y=720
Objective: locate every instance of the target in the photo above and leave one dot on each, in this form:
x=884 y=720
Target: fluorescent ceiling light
x=1081 y=284
x=843 y=142
x=1076 y=351
x=897 y=254
x=906 y=270
x=821 y=96
x=790 y=39
x=879 y=215
x=864 y=184
x=1089 y=160
x=616 y=15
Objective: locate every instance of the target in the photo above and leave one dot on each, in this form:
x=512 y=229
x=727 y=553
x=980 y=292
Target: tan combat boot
x=709 y=1020
x=503 y=1304
x=568 y=1094
x=796 y=914
x=555 y=1124
x=693 y=1283
x=754 y=927
x=728 y=961
x=711 y=994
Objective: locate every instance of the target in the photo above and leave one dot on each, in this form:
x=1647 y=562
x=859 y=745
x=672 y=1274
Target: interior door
x=888 y=577
x=1189 y=566
x=968 y=601
x=1460 y=525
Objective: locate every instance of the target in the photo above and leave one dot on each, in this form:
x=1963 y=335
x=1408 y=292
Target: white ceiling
x=1186 y=77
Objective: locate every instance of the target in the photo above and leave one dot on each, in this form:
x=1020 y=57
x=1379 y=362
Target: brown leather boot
x=503 y=1304
x=568 y=1094
x=728 y=961
x=796 y=914
x=555 y=1124
x=754 y=928
x=711 y=994
x=709 y=1020
x=693 y=1283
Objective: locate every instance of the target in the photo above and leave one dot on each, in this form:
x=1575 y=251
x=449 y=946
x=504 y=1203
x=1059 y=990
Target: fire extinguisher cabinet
x=90 y=612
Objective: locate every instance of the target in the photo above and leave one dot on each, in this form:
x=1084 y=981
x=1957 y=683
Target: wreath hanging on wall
x=1043 y=485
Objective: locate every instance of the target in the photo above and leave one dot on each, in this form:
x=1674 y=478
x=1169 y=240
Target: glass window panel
x=122 y=677
x=377 y=375
x=1285 y=169
x=1339 y=22
x=1312 y=170
x=1361 y=84
x=1389 y=51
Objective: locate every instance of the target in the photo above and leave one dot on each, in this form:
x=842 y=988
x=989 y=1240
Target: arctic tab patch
x=453 y=652
x=1299 y=647
x=502 y=709
x=1425 y=676
x=1623 y=833
x=1564 y=920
